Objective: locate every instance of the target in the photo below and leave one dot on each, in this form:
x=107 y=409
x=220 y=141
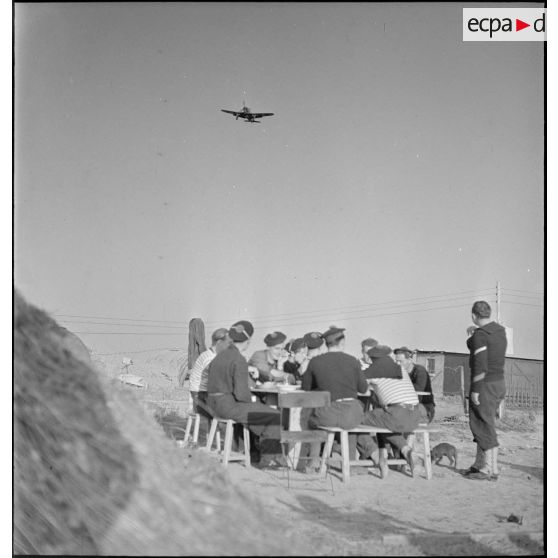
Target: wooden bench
x=227 y=454
x=346 y=460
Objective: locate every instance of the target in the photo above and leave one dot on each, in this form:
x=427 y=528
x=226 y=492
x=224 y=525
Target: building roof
x=434 y=352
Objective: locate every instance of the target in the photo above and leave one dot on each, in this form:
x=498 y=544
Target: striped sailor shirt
x=487 y=348
x=198 y=377
x=389 y=384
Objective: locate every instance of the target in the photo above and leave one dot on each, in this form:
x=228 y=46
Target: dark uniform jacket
x=421 y=381
x=383 y=367
x=487 y=346
x=336 y=372
x=228 y=374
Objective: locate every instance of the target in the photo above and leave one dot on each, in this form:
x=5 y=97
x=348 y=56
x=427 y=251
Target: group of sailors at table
x=222 y=378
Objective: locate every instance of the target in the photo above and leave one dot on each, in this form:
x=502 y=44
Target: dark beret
x=241 y=331
x=313 y=339
x=272 y=339
x=369 y=342
x=379 y=351
x=219 y=334
x=404 y=350
x=333 y=333
x=297 y=344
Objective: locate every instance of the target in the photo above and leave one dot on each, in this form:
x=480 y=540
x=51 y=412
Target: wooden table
x=294 y=414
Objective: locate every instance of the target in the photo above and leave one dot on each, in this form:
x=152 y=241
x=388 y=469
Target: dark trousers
x=426 y=412
x=482 y=417
x=346 y=415
x=261 y=420
x=398 y=419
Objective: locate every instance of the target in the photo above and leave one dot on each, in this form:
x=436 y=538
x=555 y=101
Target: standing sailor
x=487 y=344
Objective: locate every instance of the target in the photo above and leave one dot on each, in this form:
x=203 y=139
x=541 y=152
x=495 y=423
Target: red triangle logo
x=519 y=25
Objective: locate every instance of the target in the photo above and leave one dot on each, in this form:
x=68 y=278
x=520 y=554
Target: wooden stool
x=227 y=446
x=346 y=460
x=194 y=420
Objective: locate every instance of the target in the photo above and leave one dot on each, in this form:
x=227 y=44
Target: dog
x=444 y=449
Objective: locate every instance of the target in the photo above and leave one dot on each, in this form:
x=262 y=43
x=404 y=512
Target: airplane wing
x=233 y=112
x=261 y=114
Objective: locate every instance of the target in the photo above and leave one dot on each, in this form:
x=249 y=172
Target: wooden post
x=462 y=374
x=498 y=302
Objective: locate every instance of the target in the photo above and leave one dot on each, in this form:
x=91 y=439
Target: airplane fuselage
x=247 y=115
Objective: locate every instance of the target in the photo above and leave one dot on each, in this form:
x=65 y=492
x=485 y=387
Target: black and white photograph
x=279 y=278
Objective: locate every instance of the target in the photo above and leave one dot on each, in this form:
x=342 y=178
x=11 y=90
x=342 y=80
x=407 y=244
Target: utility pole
x=498 y=302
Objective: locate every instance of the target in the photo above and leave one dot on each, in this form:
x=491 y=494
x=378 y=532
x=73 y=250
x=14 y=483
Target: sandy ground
x=372 y=515
x=399 y=515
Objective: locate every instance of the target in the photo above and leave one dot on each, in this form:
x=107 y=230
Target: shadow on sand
x=367 y=525
x=535 y=472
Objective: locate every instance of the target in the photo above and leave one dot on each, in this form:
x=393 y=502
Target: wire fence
x=524 y=392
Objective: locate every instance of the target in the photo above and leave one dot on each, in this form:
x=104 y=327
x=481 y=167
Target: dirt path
x=448 y=515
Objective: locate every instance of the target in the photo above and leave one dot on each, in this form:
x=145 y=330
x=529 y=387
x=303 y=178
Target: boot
x=485 y=472
x=480 y=462
x=383 y=462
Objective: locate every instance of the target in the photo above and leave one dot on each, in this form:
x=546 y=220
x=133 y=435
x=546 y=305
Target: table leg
x=345 y=455
x=427 y=458
x=294 y=424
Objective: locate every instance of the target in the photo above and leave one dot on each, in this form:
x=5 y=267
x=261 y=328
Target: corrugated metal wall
x=524 y=377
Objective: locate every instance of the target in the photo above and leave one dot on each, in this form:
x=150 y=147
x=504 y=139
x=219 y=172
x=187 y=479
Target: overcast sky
x=399 y=180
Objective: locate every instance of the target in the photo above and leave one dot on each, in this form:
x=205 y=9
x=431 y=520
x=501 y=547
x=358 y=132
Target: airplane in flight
x=247 y=114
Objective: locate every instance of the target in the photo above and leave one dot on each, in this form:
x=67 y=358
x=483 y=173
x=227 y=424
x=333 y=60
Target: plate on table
x=288 y=387
x=269 y=385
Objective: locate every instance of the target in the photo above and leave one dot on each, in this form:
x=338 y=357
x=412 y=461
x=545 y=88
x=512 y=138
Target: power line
x=365 y=316
x=288 y=321
x=284 y=320
x=345 y=316
x=521 y=291
x=524 y=304
x=184 y=327
x=123 y=333
x=296 y=315
x=124 y=319
x=137 y=352
x=522 y=296
x=290 y=325
x=358 y=308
